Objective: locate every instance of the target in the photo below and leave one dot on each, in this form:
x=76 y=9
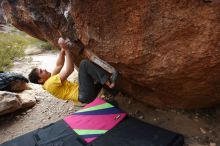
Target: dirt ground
x=199 y=127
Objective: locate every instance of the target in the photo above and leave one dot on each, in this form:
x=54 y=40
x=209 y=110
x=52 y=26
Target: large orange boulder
x=167 y=51
x=2 y=21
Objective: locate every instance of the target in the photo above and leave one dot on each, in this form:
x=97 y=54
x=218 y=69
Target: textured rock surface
x=27 y=98
x=166 y=51
x=2 y=21
x=9 y=102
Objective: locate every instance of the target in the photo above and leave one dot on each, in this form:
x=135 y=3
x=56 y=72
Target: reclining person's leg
x=88 y=75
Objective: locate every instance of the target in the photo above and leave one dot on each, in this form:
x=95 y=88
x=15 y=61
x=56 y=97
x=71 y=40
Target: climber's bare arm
x=60 y=62
x=69 y=62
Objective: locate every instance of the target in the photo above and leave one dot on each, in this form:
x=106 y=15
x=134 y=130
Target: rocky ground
x=200 y=127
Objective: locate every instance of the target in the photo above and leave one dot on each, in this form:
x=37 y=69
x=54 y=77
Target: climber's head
x=39 y=76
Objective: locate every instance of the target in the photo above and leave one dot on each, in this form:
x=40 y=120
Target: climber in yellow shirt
x=91 y=78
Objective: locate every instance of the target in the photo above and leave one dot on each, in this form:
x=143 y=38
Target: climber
x=91 y=78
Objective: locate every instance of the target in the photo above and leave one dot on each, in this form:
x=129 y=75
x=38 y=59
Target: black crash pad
x=130 y=132
x=133 y=132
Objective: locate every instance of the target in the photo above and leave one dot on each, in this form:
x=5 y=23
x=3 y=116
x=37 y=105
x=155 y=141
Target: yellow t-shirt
x=66 y=90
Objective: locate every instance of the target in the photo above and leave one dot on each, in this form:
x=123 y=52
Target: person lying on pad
x=91 y=78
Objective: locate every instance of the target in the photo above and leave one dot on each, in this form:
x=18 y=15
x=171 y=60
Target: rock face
x=2 y=20
x=27 y=99
x=167 y=52
x=10 y=102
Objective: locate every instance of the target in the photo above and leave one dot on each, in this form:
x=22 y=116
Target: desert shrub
x=12 y=45
x=11 y=48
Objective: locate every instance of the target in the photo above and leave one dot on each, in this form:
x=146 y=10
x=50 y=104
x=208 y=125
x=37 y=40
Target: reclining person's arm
x=69 y=68
x=60 y=62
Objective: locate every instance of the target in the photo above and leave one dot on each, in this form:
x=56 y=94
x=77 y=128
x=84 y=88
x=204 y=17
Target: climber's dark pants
x=91 y=79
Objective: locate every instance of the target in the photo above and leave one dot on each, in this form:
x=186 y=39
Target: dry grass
x=12 y=45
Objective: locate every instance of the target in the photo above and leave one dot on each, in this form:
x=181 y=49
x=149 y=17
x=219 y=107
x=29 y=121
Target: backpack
x=13 y=82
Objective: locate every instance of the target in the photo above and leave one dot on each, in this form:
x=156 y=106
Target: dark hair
x=33 y=76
